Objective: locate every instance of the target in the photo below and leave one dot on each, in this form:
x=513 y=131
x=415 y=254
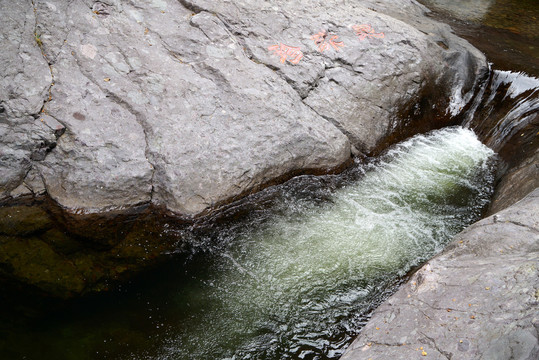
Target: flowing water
x=298 y=276
x=295 y=281
x=288 y=287
x=505 y=115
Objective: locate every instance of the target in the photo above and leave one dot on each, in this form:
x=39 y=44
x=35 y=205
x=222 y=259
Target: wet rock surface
x=476 y=300
x=189 y=105
x=44 y=251
x=518 y=182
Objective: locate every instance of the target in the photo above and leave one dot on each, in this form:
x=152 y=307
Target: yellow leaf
x=107 y=79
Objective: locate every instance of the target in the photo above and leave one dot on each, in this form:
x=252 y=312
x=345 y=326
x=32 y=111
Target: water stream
x=295 y=281
x=298 y=276
x=292 y=286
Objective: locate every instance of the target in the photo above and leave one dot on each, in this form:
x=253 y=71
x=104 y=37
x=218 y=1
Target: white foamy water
x=297 y=285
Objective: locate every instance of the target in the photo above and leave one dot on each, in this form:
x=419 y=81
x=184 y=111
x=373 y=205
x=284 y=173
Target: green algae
x=22 y=220
x=32 y=261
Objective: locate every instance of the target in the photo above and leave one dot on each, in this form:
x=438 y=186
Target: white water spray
x=284 y=289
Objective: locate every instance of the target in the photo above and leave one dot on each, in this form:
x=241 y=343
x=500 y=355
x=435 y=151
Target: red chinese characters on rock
x=290 y=53
x=364 y=30
x=323 y=43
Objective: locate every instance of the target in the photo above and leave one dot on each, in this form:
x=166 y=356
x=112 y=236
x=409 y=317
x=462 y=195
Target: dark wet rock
x=506 y=118
x=516 y=183
x=22 y=220
x=61 y=242
x=44 y=251
x=506 y=115
x=476 y=300
x=186 y=104
x=32 y=262
x=512 y=23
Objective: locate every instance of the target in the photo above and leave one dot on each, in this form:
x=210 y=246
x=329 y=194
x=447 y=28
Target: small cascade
x=505 y=115
x=299 y=284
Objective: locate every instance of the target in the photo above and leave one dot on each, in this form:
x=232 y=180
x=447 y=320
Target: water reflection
x=474 y=10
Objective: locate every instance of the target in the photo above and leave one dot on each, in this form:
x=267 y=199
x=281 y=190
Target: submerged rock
x=189 y=105
x=478 y=299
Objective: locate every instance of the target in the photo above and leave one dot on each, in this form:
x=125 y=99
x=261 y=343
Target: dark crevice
x=446 y=354
x=535 y=230
x=39 y=43
x=191 y=7
x=45 y=146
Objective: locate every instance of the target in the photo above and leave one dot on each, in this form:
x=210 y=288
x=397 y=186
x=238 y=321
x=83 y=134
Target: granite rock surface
x=192 y=104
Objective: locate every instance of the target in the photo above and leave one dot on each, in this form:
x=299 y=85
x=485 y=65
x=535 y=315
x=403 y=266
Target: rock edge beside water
x=181 y=104
x=478 y=299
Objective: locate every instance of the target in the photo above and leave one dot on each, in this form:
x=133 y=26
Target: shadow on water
x=293 y=277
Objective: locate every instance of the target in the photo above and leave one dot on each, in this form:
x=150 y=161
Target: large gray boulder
x=192 y=104
x=479 y=299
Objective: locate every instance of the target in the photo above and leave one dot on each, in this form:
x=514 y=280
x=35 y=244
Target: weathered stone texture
x=181 y=103
x=25 y=80
x=479 y=299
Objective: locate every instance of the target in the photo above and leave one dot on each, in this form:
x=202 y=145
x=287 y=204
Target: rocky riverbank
x=479 y=299
x=189 y=105
x=113 y=114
